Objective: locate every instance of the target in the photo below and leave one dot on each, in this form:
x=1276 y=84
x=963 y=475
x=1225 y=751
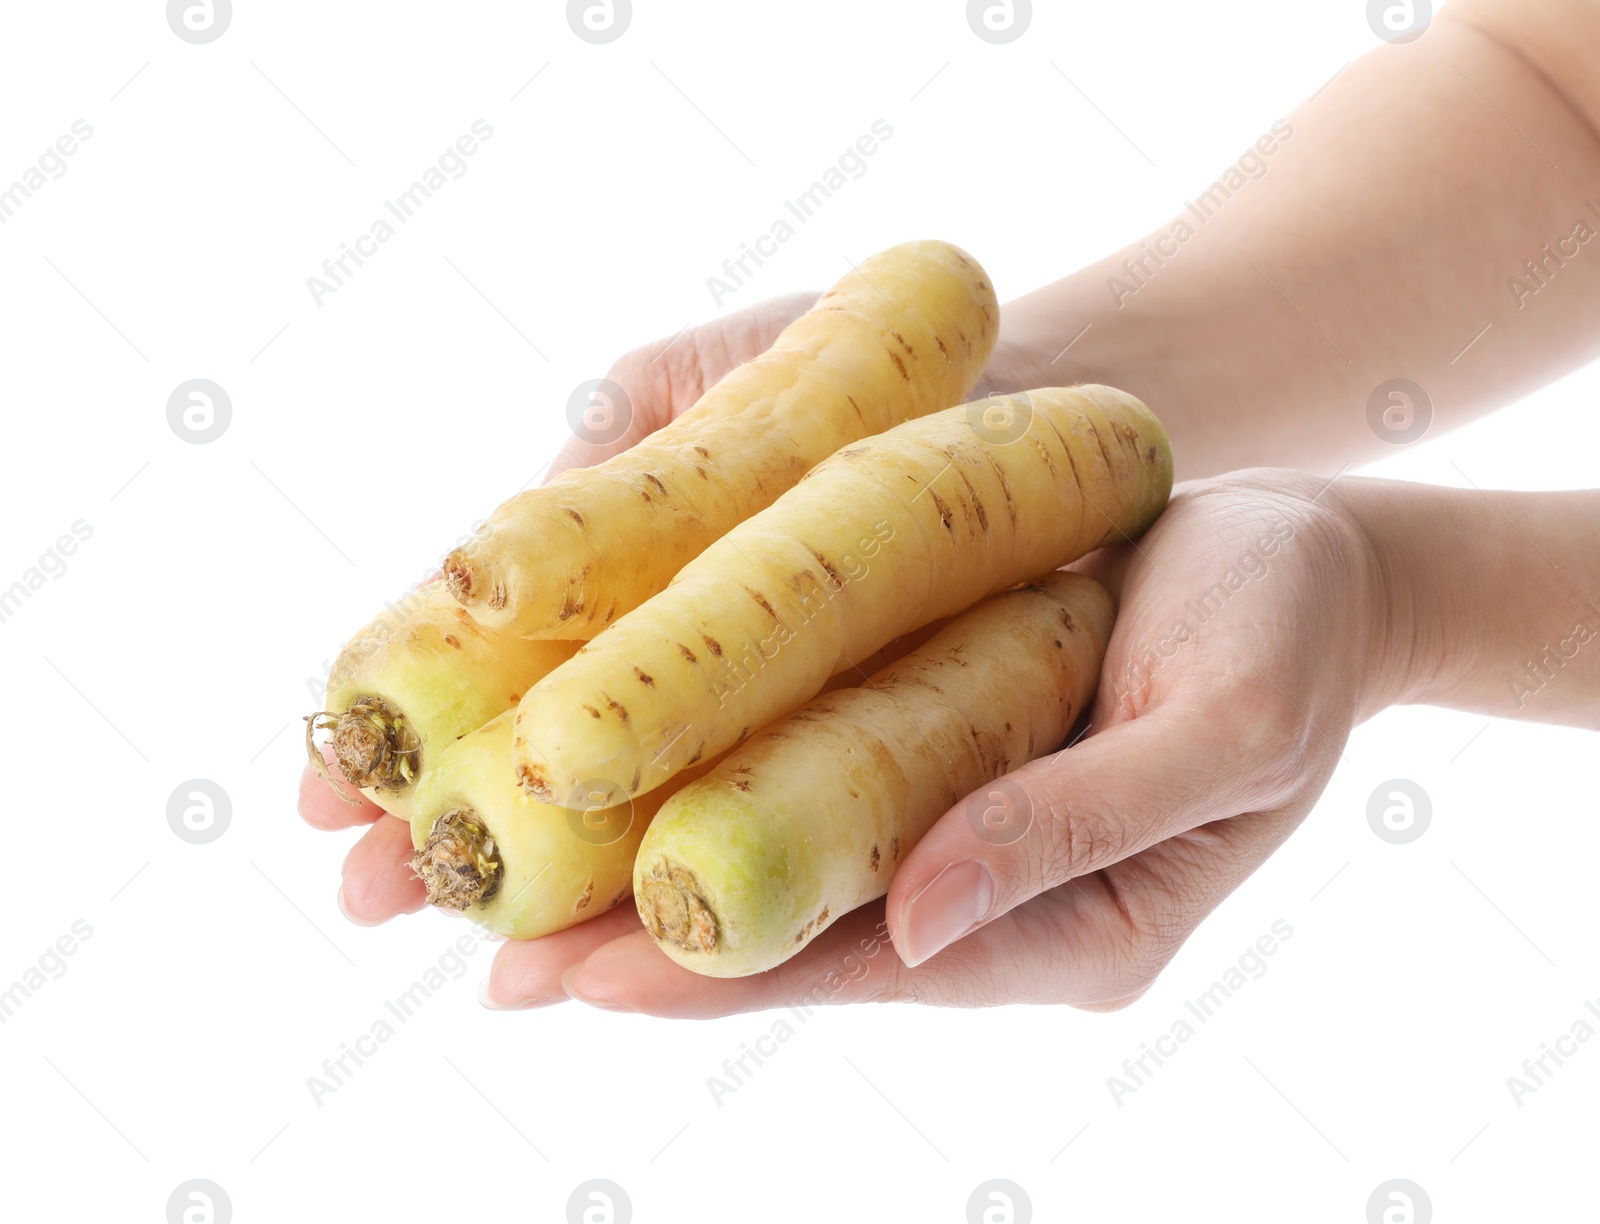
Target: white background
x=370 y=432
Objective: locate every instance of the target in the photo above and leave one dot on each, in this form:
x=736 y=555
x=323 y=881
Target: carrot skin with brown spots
x=744 y=867
x=918 y=524
x=905 y=334
x=413 y=681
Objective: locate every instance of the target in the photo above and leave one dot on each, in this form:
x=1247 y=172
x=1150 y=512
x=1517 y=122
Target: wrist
x=1407 y=659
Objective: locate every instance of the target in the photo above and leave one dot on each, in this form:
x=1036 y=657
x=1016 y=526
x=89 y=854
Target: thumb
x=1062 y=817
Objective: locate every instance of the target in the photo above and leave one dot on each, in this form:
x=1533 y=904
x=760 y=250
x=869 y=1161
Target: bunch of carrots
x=737 y=671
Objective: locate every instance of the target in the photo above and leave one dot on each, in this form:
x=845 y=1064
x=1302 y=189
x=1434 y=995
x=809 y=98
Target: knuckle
x=1140 y=934
x=1155 y=944
x=674 y=370
x=1131 y=970
x=1079 y=837
x=1126 y=694
x=1275 y=739
x=630 y=363
x=633 y=372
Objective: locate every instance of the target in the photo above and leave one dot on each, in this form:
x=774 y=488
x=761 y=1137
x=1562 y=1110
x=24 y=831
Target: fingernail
x=573 y=993
x=949 y=906
x=345 y=910
x=521 y=1005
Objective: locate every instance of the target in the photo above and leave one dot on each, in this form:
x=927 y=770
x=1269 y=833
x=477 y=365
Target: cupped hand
x=1247 y=645
x=1250 y=639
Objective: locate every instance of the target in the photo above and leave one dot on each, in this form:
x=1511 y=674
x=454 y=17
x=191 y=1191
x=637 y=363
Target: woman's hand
x=1251 y=637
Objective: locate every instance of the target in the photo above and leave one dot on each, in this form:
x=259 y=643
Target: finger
x=662 y=380
x=1054 y=949
x=1062 y=817
x=332 y=803
x=378 y=882
x=849 y=962
x=1097 y=943
x=527 y=972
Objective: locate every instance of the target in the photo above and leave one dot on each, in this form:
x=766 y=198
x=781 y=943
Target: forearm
x=1386 y=237
x=1488 y=600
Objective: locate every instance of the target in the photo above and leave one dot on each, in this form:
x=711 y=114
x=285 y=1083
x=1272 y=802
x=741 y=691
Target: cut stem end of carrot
x=671 y=906
x=372 y=741
x=459 y=864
